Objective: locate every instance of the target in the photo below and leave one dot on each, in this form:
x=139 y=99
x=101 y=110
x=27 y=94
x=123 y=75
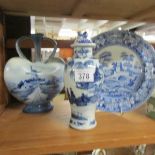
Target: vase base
x=38 y=108
x=83 y=127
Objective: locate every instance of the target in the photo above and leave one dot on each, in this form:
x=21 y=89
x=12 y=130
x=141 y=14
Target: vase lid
x=83 y=40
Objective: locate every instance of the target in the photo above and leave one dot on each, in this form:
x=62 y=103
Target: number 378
x=84 y=76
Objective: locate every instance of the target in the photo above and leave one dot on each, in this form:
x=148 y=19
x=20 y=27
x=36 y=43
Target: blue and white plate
x=128 y=65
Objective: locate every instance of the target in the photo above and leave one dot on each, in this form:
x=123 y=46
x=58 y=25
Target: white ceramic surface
x=34 y=83
x=82 y=94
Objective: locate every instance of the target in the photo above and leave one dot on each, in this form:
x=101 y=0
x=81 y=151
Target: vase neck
x=37 y=39
x=83 y=52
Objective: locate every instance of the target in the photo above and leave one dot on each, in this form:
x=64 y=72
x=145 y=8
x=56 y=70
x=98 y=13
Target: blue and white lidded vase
x=82 y=80
x=35 y=83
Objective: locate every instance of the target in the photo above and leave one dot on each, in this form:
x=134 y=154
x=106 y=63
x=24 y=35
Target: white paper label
x=84 y=75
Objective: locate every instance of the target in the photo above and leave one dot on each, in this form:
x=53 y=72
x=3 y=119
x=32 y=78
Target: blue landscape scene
x=121 y=80
x=36 y=90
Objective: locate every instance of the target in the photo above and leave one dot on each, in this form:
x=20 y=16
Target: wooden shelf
x=33 y=134
x=139 y=10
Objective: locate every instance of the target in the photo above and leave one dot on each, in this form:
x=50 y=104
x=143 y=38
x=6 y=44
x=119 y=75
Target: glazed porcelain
x=150 y=108
x=128 y=64
x=99 y=152
x=82 y=79
x=34 y=83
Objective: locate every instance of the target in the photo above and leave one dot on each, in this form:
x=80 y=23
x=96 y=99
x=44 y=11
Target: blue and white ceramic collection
x=34 y=83
x=119 y=78
x=82 y=80
x=128 y=65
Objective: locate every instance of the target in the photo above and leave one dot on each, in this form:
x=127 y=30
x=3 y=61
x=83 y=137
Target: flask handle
x=37 y=39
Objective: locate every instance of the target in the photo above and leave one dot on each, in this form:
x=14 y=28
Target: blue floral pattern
x=127 y=84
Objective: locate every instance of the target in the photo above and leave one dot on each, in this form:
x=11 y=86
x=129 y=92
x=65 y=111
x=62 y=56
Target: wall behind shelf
x=3 y=91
